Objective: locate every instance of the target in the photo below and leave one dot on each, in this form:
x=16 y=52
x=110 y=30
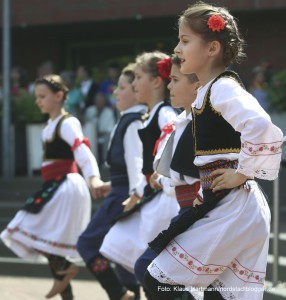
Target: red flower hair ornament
x=216 y=23
x=164 y=67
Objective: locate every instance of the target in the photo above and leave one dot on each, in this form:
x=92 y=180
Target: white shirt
x=261 y=140
x=166 y=116
x=175 y=180
x=85 y=86
x=70 y=130
x=105 y=120
x=133 y=148
x=181 y=123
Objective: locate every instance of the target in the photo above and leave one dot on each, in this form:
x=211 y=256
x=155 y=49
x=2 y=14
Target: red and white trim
x=199 y=268
x=261 y=149
x=77 y=142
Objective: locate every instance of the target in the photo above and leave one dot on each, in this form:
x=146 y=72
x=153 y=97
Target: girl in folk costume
x=52 y=219
x=223 y=243
x=179 y=163
x=129 y=237
x=124 y=158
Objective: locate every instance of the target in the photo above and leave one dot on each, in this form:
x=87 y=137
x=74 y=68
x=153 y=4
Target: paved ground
x=28 y=288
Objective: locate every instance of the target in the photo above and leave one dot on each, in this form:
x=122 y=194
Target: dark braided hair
x=54 y=82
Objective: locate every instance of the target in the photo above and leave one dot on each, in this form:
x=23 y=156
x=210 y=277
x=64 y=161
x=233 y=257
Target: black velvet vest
x=183 y=157
x=115 y=154
x=149 y=135
x=212 y=133
x=57 y=148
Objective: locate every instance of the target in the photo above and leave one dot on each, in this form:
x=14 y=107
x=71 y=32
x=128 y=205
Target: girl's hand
x=130 y=202
x=227 y=179
x=106 y=188
x=154 y=181
x=95 y=186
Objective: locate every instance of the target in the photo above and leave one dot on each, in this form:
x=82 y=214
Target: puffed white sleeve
x=261 y=140
x=133 y=154
x=71 y=132
x=166 y=118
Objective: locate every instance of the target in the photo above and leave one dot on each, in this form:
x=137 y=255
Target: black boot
x=57 y=263
x=104 y=273
x=212 y=294
x=135 y=288
x=163 y=291
x=147 y=294
x=67 y=294
x=61 y=283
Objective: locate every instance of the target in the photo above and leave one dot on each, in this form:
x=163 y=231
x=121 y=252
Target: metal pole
x=275 y=230
x=7 y=172
x=276 y=204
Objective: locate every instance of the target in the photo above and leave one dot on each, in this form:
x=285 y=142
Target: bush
x=277 y=92
x=24 y=109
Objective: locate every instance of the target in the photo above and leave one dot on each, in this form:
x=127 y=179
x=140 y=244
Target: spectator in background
x=87 y=86
x=105 y=124
x=75 y=98
x=108 y=86
x=267 y=68
x=258 y=87
x=45 y=68
x=19 y=80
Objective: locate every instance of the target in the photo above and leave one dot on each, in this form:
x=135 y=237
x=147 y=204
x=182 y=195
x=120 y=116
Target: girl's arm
x=133 y=154
x=71 y=132
x=261 y=140
x=160 y=182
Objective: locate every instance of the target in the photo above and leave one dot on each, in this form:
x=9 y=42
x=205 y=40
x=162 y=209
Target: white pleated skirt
x=228 y=249
x=56 y=228
x=129 y=238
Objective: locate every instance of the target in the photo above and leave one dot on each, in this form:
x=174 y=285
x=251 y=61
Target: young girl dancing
x=129 y=237
x=234 y=142
x=52 y=219
x=179 y=163
x=124 y=158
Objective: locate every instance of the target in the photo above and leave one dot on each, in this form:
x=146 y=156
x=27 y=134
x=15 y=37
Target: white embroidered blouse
x=261 y=140
x=71 y=130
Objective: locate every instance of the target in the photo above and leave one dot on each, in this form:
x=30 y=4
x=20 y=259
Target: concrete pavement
x=31 y=288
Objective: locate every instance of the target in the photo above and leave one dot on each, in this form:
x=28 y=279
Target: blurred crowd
x=93 y=103
x=261 y=78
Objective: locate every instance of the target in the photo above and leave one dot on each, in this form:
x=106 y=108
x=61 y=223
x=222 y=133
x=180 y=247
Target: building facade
x=93 y=32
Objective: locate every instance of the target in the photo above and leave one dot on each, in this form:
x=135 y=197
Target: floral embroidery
x=37 y=238
x=216 y=23
x=199 y=268
x=261 y=149
x=38 y=200
x=100 y=265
